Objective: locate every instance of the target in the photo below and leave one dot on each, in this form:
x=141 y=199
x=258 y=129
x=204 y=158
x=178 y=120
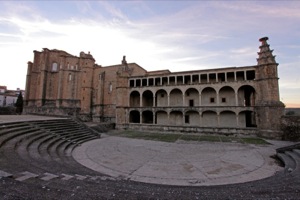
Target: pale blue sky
x=174 y=35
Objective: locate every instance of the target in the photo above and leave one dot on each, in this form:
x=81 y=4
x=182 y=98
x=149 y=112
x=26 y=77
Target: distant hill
x=292 y=111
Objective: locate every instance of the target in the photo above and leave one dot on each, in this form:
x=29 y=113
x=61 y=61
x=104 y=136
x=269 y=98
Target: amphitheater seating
x=36 y=163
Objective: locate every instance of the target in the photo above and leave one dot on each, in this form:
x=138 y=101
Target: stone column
x=218 y=99
x=236 y=98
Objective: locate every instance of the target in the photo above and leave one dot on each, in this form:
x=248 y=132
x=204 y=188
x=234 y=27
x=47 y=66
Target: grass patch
x=209 y=138
x=253 y=141
x=190 y=137
x=173 y=137
x=149 y=136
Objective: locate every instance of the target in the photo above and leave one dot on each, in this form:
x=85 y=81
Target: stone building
x=226 y=100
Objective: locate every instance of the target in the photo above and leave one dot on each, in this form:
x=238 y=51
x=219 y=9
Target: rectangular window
x=212 y=100
x=162 y=95
x=187 y=119
x=223 y=100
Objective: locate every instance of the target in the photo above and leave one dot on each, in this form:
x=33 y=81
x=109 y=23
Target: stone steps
x=38 y=162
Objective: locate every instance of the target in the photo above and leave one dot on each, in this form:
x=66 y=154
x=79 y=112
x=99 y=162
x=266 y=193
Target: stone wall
x=190 y=129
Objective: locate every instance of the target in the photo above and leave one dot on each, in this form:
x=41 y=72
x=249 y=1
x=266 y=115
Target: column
x=200 y=100
x=168 y=100
x=218 y=98
x=236 y=98
x=153 y=117
x=237 y=120
x=183 y=100
x=200 y=118
x=141 y=117
x=154 y=101
x=218 y=118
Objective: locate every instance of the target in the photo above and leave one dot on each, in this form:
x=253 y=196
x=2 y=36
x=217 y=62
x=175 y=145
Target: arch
x=246 y=96
x=161 y=98
x=208 y=96
x=147 y=117
x=209 y=119
x=134 y=116
x=147 y=100
x=134 y=99
x=228 y=119
x=227 y=96
x=192 y=117
x=247 y=119
x=191 y=97
x=176 y=118
x=176 y=98
x=161 y=117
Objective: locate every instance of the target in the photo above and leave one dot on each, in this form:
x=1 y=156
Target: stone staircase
x=290 y=157
x=36 y=163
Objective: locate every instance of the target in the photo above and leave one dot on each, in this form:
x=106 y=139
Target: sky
x=156 y=34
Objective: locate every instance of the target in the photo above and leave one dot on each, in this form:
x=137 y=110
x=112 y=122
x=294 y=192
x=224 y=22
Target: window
x=187 y=93
x=187 y=119
x=223 y=100
x=162 y=95
x=70 y=77
x=212 y=100
x=110 y=88
x=54 y=67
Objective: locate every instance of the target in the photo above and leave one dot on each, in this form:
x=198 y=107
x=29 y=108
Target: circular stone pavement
x=180 y=163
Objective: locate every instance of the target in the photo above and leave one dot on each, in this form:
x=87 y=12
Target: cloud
x=187 y=35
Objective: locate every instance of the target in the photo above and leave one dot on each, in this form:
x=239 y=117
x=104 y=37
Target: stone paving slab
x=20 y=118
x=181 y=163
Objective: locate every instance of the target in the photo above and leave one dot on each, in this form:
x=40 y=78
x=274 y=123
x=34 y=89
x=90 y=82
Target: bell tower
x=269 y=108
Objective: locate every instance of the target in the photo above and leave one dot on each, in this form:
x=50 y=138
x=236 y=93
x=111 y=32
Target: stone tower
x=269 y=108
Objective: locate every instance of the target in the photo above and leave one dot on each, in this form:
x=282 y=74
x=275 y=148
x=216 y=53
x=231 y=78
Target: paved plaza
x=181 y=163
x=186 y=163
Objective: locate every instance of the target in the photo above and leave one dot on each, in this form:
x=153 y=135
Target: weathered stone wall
x=190 y=129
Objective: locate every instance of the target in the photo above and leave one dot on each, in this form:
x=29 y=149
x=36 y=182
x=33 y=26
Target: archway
x=134 y=116
x=134 y=99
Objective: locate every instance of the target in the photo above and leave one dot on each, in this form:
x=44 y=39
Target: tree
x=19 y=104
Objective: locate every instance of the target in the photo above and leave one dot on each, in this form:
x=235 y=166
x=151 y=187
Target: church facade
x=225 y=100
